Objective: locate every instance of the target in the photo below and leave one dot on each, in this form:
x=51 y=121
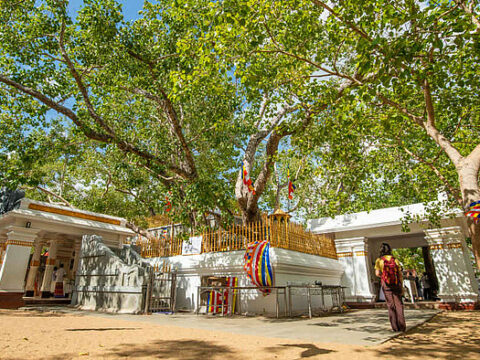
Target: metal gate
x=161 y=292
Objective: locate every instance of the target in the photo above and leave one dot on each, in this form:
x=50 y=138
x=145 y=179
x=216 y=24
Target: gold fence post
x=286 y=234
x=219 y=240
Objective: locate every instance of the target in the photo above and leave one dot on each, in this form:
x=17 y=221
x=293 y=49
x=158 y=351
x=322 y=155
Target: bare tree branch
x=50 y=193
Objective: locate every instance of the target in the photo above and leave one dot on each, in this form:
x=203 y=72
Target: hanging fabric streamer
x=291 y=185
x=214 y=300
x=168 y=203
x=474 y=211
x=257 y=264
x=246 y=180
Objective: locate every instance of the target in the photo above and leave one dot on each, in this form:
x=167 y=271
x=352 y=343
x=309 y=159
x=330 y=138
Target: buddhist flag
x=246 y=180
x=168 y=206
x=291 y=186
x=474 y=211
x=257 y=264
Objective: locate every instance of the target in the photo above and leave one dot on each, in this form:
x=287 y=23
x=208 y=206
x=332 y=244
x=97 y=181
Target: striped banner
x=214 y=300
x=257 y=264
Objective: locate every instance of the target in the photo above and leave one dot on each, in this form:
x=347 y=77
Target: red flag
x=169 y=204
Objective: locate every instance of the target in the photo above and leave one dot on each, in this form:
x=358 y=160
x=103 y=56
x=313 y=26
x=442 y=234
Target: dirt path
x=34 y=335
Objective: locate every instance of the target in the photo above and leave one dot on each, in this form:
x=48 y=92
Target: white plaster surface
x=454 y=271
x=14 y=268
x=107 y=283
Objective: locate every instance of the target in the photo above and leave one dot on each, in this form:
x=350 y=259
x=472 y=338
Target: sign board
x=192 y=246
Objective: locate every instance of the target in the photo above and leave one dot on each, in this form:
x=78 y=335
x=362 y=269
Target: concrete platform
x=356 y=327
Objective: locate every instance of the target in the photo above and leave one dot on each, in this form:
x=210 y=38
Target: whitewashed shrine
x=35 y=237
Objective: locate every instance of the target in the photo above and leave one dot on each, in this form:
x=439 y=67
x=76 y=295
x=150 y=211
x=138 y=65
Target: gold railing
x=285 y=235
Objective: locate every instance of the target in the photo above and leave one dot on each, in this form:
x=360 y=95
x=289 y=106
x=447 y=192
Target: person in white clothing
x=59 y=275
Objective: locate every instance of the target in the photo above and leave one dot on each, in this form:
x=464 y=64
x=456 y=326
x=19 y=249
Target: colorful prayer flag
x=214 y=300
x=474 y=211
x=169 y=204
x=291 y=189
x=247 y=181
x=257 y=264
x=291 y=185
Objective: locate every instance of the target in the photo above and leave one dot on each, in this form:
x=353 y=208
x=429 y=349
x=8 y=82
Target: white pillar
x=15 y=262
x=3 y=247
x=34 y=264
x=76 y=259
x=353 y=255
x=453 y=266
x=47 y=276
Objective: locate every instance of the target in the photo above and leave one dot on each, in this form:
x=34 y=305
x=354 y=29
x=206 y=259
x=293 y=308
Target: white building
x=358 y=238
x=35 y=227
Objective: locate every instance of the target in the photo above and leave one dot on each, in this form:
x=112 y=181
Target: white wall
x=14 y=268
x=288 y=266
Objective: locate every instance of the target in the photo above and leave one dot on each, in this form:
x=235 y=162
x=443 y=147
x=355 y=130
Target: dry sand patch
x=35 y=335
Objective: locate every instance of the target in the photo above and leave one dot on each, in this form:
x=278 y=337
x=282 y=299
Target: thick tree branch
x=81 y=86
x=164 y=101
x=419 y=120
x=91 y=134
x=122 y=144
x=140 y=231
x=433 y=132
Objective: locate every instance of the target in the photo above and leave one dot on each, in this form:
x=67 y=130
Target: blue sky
x=130 y=8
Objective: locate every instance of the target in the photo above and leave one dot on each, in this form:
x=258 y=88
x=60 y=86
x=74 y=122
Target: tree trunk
x=475 y=236
x=429 y=268
x=251 y=214
x=468 y=179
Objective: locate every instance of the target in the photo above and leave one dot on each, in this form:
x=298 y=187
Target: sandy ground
x=35 y=335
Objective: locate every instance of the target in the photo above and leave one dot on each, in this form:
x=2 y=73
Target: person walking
x=389 y=270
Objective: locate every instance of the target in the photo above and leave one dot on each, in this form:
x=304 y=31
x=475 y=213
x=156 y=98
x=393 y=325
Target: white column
x=3 y=247
x=34 y=264
x=76 y=259
x=353 y=255
x=15 y=260
x=453 y=267
x=47 y=276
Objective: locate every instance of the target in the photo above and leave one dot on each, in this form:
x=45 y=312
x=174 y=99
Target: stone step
x=50 y=301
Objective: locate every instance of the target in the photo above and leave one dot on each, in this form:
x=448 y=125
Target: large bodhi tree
x=162 y=90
